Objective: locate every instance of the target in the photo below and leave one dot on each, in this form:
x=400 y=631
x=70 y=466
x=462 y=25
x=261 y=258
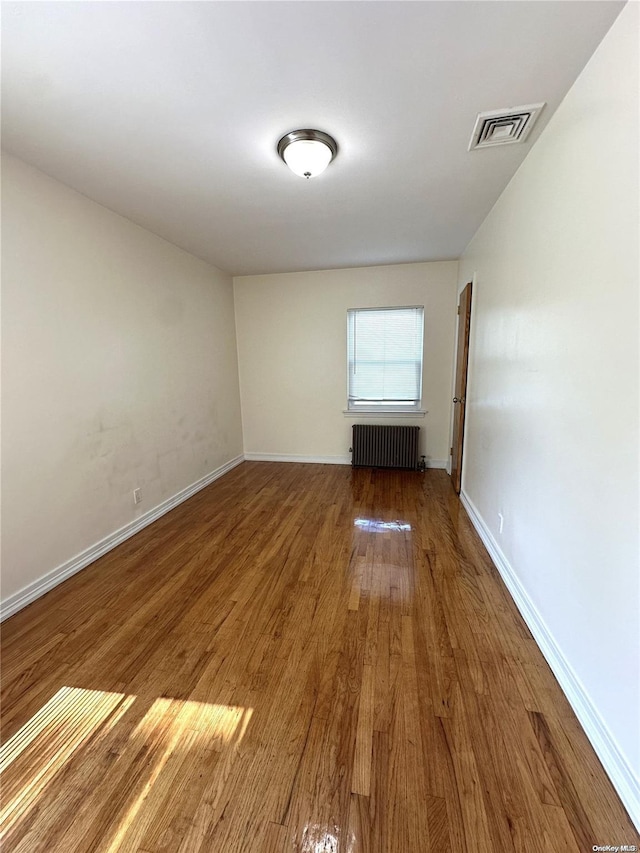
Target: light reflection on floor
x=316 y=839
x=374 y=525
x=384 y=570
x=45 y=745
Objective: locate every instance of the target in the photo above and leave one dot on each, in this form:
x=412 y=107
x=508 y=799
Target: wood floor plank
x=361 y=779
x=468 y=777
x=438 y=820
x=571 y=803
x=275 y=838
x=359 y=829
x=300 y=658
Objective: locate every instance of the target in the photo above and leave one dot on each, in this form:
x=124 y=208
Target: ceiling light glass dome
x=307 y=152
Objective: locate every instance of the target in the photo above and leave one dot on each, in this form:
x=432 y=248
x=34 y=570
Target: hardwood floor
x=299 y=658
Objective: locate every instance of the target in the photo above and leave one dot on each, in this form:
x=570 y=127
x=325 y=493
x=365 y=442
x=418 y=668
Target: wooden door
x=459 y=401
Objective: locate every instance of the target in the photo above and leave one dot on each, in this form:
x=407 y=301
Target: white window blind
x=385 y=357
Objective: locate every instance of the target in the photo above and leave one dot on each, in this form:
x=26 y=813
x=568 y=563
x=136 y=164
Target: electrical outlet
x=501 y=517
x=137 y=496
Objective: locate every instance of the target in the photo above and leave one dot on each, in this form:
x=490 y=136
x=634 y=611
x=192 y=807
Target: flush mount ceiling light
x=307 y=152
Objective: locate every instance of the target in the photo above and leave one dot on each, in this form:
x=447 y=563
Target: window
x=384 y=347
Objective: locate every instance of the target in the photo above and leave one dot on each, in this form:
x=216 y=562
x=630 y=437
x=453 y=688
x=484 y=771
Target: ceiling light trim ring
x=308 y=135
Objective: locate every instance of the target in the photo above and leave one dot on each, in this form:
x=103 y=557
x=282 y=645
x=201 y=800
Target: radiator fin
x=376 y=446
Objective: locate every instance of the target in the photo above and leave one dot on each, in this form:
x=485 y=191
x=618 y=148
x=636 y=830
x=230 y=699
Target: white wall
x=552 y=418
x=292 y=354
x=119 y=371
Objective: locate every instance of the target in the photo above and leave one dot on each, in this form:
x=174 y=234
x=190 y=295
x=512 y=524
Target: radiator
x=385 y=446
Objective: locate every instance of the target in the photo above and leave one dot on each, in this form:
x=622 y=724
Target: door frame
x=461 y=286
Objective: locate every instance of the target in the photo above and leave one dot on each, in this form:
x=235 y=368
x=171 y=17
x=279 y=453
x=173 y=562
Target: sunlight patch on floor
x=45 y=745
x=185 y=725
x=41 y=748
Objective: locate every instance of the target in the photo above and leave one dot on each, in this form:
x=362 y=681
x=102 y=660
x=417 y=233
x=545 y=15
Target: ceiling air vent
x=502 y=127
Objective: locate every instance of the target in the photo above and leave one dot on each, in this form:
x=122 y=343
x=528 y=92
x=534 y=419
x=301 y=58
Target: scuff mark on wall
x=120 y=372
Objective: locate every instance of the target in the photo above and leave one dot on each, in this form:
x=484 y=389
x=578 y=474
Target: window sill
x=384 y=413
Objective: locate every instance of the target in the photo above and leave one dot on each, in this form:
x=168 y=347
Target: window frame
x=384 y=408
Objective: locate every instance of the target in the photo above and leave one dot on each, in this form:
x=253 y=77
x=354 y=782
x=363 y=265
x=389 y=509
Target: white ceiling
x=169 y=113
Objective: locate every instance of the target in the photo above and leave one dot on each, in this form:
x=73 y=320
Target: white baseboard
x=323 y=460
x=615 y=763
x=39 y=587
x=294 y=457
x=437 y=463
